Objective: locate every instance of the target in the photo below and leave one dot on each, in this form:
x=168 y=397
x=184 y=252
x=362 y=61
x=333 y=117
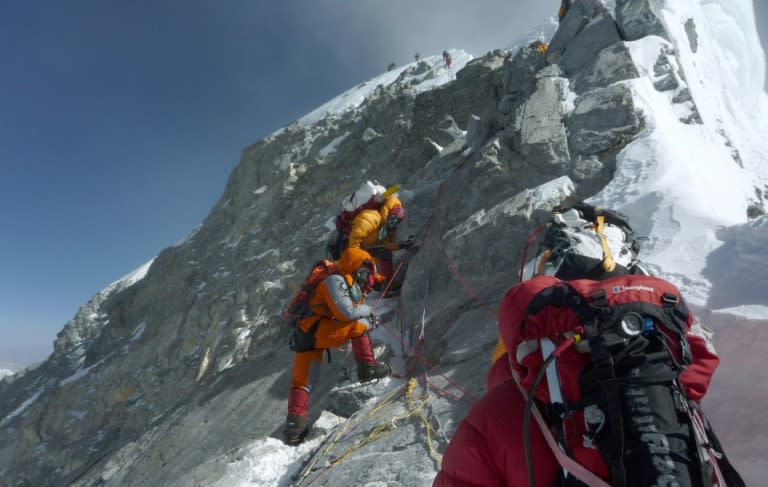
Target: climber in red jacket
x=488 y=447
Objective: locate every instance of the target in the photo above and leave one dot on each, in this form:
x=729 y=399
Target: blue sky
x=121 y=121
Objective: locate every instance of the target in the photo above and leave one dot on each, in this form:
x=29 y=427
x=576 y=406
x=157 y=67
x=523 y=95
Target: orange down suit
x=366 y=225
x=337 y=317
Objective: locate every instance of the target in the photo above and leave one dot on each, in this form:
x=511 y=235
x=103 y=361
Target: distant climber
x=564 y=6
x=337 y=314
x=539 y=46
x=391 y=66
x=417 y=57
x=447 y=59
x=613 y=366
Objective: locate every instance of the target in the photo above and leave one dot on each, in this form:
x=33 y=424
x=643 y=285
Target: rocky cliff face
x=161 y=380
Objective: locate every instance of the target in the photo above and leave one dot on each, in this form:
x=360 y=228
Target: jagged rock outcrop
x=542 y=131
x=640 y=18
x=611 y=65
x=603 y=119
x=155 y=380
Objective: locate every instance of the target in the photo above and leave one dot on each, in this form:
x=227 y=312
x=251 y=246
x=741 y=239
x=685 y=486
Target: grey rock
x=587 y=169
x=665 y=73
x=693 y=117
x=483 y=66
x=474 y=92
x=682 y=96
x=347 y=400
x=598 y=34
x=693 y=38
x=666 y=83
x=448 y=125
x=755 y=211
x=508 y=104
x=519 y=72
x=640 y=18
x=551 y=71
x=757 y=208
x=542 y=132
x=602 y=119
x=612 y=64
x=578 y=16
x=477 y=132
x=518 y=81
x=735 y=155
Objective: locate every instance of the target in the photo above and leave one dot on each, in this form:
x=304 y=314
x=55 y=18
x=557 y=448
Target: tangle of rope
x=415 y=406
x=413 y=351
x=349 y=426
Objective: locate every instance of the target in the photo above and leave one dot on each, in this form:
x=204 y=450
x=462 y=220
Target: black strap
x=599 y=298
x=560 y=296
x=304 y=341
x=732 y=477
x=613 y=449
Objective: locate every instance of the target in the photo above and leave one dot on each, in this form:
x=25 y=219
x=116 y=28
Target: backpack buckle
x=669 y=299
x=599 y=298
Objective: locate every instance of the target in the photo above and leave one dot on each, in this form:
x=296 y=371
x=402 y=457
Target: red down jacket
x=487 y=448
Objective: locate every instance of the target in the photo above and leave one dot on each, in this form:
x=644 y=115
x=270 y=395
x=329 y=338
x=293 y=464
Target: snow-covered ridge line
x=680 y=181
x=132 y=277
x=72 y=339
x=424 y=75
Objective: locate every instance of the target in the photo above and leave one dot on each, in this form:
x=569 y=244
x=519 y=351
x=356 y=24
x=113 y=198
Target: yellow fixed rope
x=415 y=406
x=391 y=190
x=608 y=263
x=377 y=412
x=544 y=257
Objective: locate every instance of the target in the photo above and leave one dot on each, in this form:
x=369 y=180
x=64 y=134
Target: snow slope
x=683 y=184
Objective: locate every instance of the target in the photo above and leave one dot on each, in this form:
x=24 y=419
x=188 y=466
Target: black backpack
x=298 y=307
x=635 y=409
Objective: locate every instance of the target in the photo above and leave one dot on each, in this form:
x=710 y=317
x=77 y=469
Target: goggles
x=393 y=221
x=365 y=276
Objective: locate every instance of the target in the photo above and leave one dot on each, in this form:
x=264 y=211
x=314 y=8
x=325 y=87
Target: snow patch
x=80 y=373
x=752 y=312
x=138 y=331
x=221 y=274
x=137 y=275
x=269 y=461
x=552 y=191
x=23 y=407
x=677 y=183
x=274 y=252
x=331 y=147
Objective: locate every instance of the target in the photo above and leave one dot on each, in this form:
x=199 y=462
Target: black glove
x=374 y=321
x=407 y=243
